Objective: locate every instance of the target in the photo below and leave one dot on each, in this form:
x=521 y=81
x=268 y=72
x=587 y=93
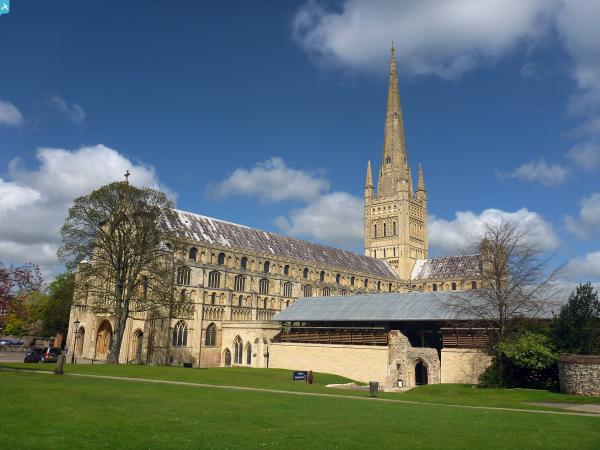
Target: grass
x=46 y=411
x=281 y=379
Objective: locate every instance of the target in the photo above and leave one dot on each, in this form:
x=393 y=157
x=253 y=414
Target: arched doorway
x=103 y=339
x=80 y=338
x=136 y=346
x=227 y=357
x=420 y=373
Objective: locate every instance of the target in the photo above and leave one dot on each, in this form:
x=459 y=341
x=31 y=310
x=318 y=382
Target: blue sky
x=266 y=113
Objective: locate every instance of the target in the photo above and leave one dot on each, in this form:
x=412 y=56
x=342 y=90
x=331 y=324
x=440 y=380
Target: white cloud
x=586 y=268
x=73 y=111
x=15 y=196
x=586 y=155
x=455 y=236
x=431 y=37
x=9 y=114
x=38 y=198
x=335 y=218
x=272 y=181
x=577 y=23
x=588 y=221
x=538 y=172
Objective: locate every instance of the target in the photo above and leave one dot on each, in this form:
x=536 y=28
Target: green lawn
x=47 y=411
x=281 y=379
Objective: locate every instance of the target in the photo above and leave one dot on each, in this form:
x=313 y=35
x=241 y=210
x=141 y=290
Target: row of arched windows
x=394 y=231
x=238 y=351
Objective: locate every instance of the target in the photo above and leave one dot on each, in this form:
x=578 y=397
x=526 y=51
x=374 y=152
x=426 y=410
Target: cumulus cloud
x=272 y=181
x=335 y=218
x=455 y=236
x=431 y=37
x=9 y=114
x=34 y=200
x=586 y=155
x=538 y=172
x=588 y=221
x=586 y=268
x=72 y=110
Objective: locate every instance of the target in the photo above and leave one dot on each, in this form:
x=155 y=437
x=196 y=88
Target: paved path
x=310 y=394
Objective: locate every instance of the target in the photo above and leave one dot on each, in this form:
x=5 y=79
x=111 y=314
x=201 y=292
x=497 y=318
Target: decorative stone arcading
x=579 y=374
x=402 y=358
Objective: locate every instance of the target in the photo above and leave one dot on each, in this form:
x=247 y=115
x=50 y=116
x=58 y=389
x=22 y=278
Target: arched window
x=263 y=287
x=180 y=334
x=337 y=279
x=266 y=266
x=213 y=299
x=287 y=289
x=390 y=287
x=214 y=279
x=322 y=276
x=240 y=283
x=305 y=273
x=366 y=282
x=453 y=286
x=394 y=226
x=388 y=160
x=307 y=291
x=182 y=295
x=344 y=292
x=352 y=281
x=193 y=254
x=248 y=354
x=241 y=300
x=286 y=270
x=210 y=339
x=287 y=303
x=221 y=259
x=384 y=252
x=379 y=285
x=374 y=231
x=473 y=284
x=434 y=287
x=244 y=263
x=384 y=229
x=326 y=292
x=183 y=276
x=237 y=350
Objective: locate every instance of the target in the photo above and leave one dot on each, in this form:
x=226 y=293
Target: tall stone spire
x=394 y=160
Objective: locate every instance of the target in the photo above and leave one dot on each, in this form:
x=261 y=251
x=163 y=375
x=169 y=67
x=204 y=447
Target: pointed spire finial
x=421 y=184
x=369 y=181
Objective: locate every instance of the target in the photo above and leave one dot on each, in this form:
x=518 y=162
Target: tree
x=122 y=243
x=53 y=312
x=16 y=285
x=576 y=329
x=515 y=285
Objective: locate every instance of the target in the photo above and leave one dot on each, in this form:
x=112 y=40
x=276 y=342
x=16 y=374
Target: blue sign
x=4 y=7
x=300 y=375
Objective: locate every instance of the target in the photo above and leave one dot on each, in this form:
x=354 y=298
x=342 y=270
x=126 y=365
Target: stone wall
x=463 y=365
x=402 y=359
x=358 y=362
x=579 y=374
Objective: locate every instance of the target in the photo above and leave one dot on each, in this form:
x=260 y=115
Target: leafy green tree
x=576 y=329
x=123 y=244
x=528 y=360
x=52 y=311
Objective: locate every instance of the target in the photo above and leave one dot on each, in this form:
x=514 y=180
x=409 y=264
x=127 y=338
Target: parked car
x=10 y=342
x=50 y=354
x=34 y=355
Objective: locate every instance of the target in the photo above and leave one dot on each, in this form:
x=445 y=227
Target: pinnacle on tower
x=369 y=181
x=421 y=183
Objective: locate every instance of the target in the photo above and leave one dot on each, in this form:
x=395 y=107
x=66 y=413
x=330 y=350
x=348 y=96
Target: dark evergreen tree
x=577 y=328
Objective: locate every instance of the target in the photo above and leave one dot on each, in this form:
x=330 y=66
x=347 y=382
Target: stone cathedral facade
x=239 y=277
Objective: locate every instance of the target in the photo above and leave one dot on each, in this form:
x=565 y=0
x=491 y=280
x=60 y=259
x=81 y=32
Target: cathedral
x=239 y=278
